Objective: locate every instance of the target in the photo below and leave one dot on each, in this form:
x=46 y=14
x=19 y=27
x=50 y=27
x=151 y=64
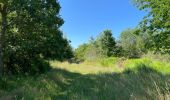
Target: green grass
x=162 y=67
x=85 y=68
x=109 y=61
x=134 y=79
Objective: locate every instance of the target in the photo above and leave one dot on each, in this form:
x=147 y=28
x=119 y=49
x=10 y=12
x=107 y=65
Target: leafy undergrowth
x=138 y=80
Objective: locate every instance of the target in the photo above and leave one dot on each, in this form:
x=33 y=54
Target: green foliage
x=157 y=57
x=92 y=52
x=132 y=43
x=157 y=22
x=103 y=46
x=33 y=35
x=81 y=51
x=106 y=43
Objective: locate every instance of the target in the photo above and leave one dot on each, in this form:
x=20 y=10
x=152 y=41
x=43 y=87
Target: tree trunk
x=1 y=56
x=2 y=33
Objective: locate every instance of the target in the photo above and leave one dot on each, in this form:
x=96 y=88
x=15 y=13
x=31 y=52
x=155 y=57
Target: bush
x=25 y=65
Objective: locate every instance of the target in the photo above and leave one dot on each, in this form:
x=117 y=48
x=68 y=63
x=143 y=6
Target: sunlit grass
x=116 y=79
x=85 y=68
x=111 y=65
x=160 y=66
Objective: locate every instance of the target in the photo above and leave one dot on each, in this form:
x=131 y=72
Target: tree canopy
x=106 y=43
x=157 y=22
x=30 y=34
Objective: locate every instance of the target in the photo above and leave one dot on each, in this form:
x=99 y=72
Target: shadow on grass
x=140 y=83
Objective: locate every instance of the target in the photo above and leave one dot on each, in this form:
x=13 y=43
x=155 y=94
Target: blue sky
x=88 y=18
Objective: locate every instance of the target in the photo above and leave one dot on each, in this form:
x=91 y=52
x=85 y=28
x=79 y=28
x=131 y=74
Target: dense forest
x=37 y=62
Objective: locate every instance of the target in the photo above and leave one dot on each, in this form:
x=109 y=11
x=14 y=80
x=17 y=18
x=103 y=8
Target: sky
x=88 y=18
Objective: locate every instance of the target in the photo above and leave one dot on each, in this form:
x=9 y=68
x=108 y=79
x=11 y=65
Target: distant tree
x=106 y=43
x=132 y=43
x=80 y=52
x=118 y=49
x=157 y=22
x=92 y=52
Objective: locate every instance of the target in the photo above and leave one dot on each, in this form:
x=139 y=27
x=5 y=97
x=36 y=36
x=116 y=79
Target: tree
x=30 y=34
x=132 y=43
x=68 y=51
x=157 y=21
x=92 y=52
x=80 y=52
x=106 y=43
x=3 y=11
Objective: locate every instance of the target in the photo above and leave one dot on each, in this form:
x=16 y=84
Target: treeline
x=30 y=36
x=152 y=34
x=132 y=44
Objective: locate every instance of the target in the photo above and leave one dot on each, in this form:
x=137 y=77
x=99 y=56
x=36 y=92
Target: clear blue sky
x=87 y=18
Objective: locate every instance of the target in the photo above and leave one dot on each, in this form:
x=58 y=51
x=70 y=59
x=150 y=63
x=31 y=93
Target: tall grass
x=160 y=66
x=85 y=67
x=106 y=62
x=107 y=79
x=158 y=57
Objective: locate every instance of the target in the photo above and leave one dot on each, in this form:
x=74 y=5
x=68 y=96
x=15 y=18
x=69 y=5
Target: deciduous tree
x=157 y=21
x=30 y=34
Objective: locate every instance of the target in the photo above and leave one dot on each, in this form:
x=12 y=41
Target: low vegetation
x=133 y=79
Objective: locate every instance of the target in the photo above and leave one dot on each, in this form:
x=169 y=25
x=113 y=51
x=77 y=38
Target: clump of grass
x=163 y=67
x=106 y=62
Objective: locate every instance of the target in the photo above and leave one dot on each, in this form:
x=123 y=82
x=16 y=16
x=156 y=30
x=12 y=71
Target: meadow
x=109 y=50
x=107 y=79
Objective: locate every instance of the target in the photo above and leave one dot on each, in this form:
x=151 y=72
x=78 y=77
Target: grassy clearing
x=128 y=79
x=85 y=68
